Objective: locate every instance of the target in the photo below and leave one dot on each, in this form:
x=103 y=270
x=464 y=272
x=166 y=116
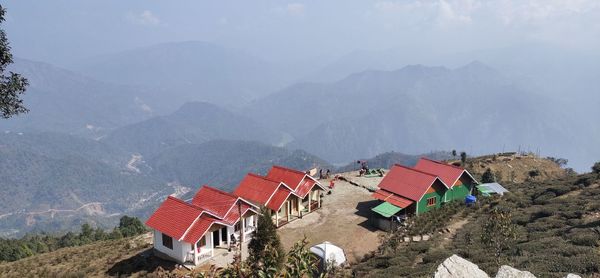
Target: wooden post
x=276 y=218
x=298 y=202
x=318 y=198
x=241 y=230
x=287 y=210
x=309 y=200
x=195 y=248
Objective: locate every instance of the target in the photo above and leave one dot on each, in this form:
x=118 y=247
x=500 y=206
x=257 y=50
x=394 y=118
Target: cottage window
x=237 y=226
x=167 y=241
x=201 y=243
x=431 y=201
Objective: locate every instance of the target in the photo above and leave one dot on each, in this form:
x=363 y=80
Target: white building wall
x=179 y=251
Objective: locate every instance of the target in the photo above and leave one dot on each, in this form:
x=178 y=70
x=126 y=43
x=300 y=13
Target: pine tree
x=463 y=158
x=596 y=168
x=12 y=85
x=265 y=250
x=488 y=176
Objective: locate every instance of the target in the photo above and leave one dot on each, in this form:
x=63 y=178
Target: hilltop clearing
x=516 y=168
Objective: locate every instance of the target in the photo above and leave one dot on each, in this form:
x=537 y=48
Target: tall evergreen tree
x=488 y=176
x=265 y=250
x=463 y=158
x=12 y=85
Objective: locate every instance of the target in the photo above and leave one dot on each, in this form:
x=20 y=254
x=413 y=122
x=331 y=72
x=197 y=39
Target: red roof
x=407 y=182
x=174 y=217
x=256 y=188
x=290 y=177
x=449 y=174
x=199 y=228
x=392 y=198
x=216 y=201
x=190 y=221
x=233 y=216
x=305 y=187
x=279 y=198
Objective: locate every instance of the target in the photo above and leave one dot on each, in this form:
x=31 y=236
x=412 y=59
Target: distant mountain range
x=191 y=71
x=64 y=101
x=193 y=123
x=223 y=163
x=418 y=109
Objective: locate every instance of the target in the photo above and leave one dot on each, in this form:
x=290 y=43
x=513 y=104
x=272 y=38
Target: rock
x=571 y=275
x=510 y=272
x=457 y=267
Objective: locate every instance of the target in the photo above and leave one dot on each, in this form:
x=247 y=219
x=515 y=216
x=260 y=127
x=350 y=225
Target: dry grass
x=515 y=169
x=129 y=256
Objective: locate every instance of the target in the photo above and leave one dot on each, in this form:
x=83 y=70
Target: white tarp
x=329 y=253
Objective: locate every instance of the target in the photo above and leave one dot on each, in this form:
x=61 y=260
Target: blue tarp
x=470 y=199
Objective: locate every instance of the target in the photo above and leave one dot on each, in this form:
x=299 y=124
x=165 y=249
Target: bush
x=596 y=168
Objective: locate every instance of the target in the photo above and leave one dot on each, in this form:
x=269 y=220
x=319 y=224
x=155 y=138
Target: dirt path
x=453 y=228
x=343 y=221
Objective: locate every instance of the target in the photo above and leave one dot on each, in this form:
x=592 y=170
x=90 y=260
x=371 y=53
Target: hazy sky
x=62 y=31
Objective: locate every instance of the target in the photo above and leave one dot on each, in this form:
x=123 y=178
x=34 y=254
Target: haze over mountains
x=417 y=109
x=191 y=71
x=120 y=132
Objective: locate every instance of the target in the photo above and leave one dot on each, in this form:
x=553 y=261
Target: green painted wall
x=460 y=190
x=439 y=192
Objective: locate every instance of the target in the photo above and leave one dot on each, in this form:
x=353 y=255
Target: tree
x=453 y=153
x=463 y=157
x=561 y=162
x=596 y=168
x=488 y=176
x=12 y=85
x=131 y=226
x=499 y=233
x=264 y=250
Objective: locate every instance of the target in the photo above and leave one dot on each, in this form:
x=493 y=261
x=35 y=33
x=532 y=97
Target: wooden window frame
x=201 y=243
x=431 y=201
x=167 y=241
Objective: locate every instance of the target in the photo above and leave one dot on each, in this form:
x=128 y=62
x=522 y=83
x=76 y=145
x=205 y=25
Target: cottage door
x=216 y=238
x=294 y=205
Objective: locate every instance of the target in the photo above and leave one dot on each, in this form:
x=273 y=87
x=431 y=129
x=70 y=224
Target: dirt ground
x=342 y=220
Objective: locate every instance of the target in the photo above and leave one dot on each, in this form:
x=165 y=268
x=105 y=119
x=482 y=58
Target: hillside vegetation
x=55 y=182
x=517 y=168
x=556 y=224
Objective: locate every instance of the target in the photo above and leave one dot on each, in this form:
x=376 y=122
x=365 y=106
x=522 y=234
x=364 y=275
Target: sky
x=65 y=31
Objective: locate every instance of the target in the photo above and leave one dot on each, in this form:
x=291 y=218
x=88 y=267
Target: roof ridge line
x=219 y=190
x=187 y=204
x=417 y=170
x=289 y=169
x=264 y=178
x=442 y=163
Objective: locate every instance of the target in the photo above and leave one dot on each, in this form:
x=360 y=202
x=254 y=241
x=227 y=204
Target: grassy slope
x=558 y=223
x=111 y=257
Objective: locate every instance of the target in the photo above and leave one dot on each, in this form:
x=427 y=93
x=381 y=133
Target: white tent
x=329 y=253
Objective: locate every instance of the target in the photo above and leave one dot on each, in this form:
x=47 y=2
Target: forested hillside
x=193 y=123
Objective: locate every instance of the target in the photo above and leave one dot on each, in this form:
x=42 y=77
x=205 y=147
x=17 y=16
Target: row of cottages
x=288 y=194
x=406 y=191
x=190 y=232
